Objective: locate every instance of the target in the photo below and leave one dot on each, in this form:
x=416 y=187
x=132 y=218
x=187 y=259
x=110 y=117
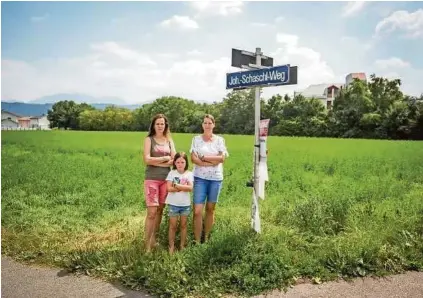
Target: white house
x=325 y=92
x=328 y=91
x=40 y=122
x=9 y=119
x=43 y=122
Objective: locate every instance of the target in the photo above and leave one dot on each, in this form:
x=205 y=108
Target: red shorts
x=155 y=192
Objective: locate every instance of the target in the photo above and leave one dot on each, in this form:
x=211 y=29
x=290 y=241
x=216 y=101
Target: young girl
x=179 y=185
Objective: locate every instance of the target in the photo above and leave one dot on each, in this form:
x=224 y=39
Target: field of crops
x=333 y=208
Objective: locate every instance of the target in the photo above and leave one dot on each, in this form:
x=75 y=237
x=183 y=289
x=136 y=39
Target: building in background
x=40 y=122
x=24 y=122
x=13 y=121
x=9 y=120
x=355 y=75
x=327 y=92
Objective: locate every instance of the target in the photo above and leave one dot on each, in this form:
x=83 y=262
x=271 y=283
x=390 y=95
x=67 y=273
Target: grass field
x=333 y=208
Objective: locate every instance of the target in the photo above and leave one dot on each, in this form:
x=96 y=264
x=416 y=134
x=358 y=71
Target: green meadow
x=333 y=208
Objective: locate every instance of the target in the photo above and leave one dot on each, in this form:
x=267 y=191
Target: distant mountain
x=78 y=98
x=33 y=109
x=26 y=109
x=102 y=106
x=40 y=106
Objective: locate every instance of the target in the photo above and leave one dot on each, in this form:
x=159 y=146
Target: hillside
x=34 y=109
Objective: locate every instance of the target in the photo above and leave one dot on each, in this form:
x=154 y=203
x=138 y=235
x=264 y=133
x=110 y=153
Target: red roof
x=359 y=75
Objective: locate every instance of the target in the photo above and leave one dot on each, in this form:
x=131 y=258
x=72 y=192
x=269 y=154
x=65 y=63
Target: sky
x=140 y=51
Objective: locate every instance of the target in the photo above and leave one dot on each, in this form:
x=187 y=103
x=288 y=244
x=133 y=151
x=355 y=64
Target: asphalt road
x=21 y=281
x=408 y=285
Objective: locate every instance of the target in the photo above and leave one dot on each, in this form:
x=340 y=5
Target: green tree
x=302 y=117
x=272 y=110
x=64 y=114
x=350 y=106
x=237 y=113
x=142 y=118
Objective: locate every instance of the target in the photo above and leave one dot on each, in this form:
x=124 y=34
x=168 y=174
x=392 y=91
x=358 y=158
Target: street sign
x=293 y=78
x=261 y=73
x=278 y=75
x=293 y=75
x=240 y=58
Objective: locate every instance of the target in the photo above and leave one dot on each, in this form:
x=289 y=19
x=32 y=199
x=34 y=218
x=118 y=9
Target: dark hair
x=152 y=130
x=210 y=117
x=184 y=156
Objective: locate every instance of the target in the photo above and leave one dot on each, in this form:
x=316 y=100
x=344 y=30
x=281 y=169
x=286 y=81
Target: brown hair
x=210 y=117
x=178 y=155
x=152 y=130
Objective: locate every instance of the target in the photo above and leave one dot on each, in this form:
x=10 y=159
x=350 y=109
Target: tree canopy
x=375 y=109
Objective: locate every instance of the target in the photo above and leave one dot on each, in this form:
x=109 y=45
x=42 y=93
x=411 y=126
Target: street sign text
x=278 y=75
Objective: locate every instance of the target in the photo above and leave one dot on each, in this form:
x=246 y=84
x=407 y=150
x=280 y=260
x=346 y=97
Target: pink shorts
x=155 y=192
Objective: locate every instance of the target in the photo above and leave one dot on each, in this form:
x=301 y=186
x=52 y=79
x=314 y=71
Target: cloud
x=279 y=19
x=351 y=42
x=312 y=69
x=287 y=39
x=391 y=75
x=410 y=23
x=259 y=25
x=180 y=22
x=167 y=55
x=194 y=52
x=391 y=63
x=117 y=53
x=348 y=39
x=352 y=8
x=396 y=68
x=112 y=69
x=37 y=19
x=213 y=8
x=410 y=78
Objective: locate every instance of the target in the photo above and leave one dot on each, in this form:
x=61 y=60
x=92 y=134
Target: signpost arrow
x=240 y=58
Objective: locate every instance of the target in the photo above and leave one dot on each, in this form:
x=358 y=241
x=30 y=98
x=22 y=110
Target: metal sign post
x=262 y=73
x=256 y=218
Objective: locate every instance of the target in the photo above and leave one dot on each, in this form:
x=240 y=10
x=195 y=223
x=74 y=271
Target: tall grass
x=333 y=208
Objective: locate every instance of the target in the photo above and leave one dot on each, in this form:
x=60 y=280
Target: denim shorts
x=209 y=189
x=179 y=210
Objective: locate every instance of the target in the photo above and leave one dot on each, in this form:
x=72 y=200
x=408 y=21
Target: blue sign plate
x=278 y=75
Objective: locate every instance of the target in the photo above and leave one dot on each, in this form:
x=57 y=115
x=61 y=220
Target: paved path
x=408 y=285
x=21 y=281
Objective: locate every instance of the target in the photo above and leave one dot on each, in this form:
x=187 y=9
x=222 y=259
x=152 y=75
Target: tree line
x=375 y=109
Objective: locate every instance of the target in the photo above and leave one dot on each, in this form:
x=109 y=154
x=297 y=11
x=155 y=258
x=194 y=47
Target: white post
x=257 y=128
x=256 y=217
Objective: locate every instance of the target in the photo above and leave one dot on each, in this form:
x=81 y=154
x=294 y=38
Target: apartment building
x=327 y=92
